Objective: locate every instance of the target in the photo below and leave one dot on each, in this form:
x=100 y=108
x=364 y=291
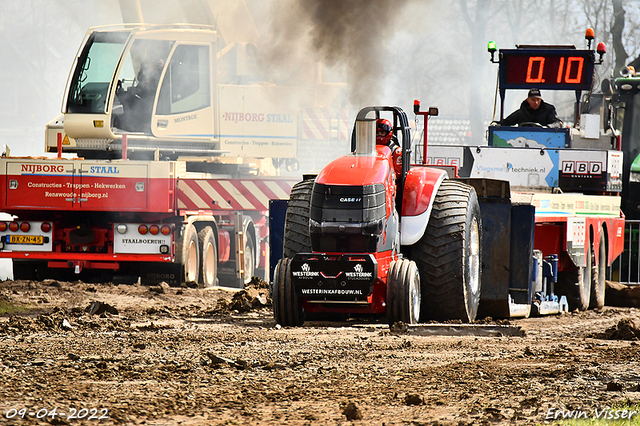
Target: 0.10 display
x=558 y=70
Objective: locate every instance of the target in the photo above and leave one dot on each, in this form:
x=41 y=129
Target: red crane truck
x=178 y=150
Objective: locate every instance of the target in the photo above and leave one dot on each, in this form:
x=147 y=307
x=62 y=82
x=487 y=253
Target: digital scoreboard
x=556 y=69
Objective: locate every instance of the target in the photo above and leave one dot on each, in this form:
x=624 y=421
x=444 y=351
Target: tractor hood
x=354 y=170
x=350 y=204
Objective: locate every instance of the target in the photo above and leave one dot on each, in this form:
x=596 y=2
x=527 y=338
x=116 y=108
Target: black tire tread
x=296 y=224
x=392 y=290
x=438 y=254
x=188 y=233
x=598 y=275
x=287 y=307
x=398 y=291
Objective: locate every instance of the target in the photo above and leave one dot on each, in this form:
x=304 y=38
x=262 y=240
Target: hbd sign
x=581 y=167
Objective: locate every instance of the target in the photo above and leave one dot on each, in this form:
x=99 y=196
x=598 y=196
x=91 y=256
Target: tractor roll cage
x=400 y=125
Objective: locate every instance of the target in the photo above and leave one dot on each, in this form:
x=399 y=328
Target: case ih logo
x=350 y=199
x=41 y=168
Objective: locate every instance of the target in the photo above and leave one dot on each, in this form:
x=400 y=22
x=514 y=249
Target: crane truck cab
x=165 y=91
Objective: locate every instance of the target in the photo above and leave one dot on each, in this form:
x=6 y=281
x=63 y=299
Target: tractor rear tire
x=208 y=257
x=296 y=223
x=188 y=254
x=287 y=306
x=449 y=255
x=403 y=292
x=599 y=275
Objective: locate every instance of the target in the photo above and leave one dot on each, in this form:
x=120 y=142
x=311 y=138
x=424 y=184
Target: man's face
x=534 y=102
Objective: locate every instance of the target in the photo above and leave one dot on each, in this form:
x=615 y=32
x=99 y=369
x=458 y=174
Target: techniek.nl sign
x=518 y=166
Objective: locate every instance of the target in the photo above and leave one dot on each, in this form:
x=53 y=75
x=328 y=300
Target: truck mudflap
x=347 y=277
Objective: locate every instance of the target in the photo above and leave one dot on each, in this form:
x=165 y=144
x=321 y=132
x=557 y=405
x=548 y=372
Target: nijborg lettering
x=258 y=117
x=42 y=168
x=243 y=116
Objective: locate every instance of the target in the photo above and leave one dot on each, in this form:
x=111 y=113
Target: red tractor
x=373 y=235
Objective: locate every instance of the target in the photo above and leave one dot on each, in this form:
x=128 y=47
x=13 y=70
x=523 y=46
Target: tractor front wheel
x=287 y=306
x=403 y=292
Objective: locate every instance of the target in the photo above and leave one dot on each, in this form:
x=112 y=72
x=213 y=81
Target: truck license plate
x=25 y=239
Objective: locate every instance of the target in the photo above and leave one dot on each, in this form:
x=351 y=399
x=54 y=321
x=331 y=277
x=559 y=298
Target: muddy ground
x=185 y=356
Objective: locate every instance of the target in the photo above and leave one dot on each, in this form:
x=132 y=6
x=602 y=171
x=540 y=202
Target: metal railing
x=626 y=268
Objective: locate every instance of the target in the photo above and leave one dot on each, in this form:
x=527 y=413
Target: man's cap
x=534 y=93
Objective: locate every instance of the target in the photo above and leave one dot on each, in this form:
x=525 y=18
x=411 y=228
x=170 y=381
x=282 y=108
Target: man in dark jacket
x=534 y=110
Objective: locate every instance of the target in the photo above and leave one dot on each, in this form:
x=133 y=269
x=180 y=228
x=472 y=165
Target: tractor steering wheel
x=531 y=124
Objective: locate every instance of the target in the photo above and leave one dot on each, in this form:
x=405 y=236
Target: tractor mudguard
x=420 y=187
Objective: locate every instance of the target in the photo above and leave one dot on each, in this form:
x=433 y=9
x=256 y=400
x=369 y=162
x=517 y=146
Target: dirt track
x=165 y=356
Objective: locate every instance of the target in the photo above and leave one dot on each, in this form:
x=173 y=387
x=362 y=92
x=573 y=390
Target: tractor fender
x=420 y=188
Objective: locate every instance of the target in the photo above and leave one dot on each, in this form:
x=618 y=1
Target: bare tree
x=476 y=19
x=617 y=27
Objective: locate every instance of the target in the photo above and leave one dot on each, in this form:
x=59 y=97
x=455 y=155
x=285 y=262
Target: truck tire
x=599 y=275
x=296 y=223
x=449 y=255
x=576 y=285
x=249 y=260
x=287 y=306
x=208 y=257
x=188 y=254
x=403 y=292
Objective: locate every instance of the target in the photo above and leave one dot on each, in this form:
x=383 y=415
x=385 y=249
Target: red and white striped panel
x=345 y=125
x=231 y=194
x=324 y=123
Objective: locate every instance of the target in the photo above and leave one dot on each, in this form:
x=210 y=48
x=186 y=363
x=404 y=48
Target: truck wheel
x=188 y=254
x=599 y=275
x=449 y=255
x=403 y=292
x=287 y=306
x=296 y=222
x=249 y=260
x=208 y=257
x=576 y=285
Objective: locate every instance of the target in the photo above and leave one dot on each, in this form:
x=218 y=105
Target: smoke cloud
x=350 y=35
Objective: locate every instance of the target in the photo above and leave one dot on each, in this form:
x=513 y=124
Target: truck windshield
x=89 y=89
